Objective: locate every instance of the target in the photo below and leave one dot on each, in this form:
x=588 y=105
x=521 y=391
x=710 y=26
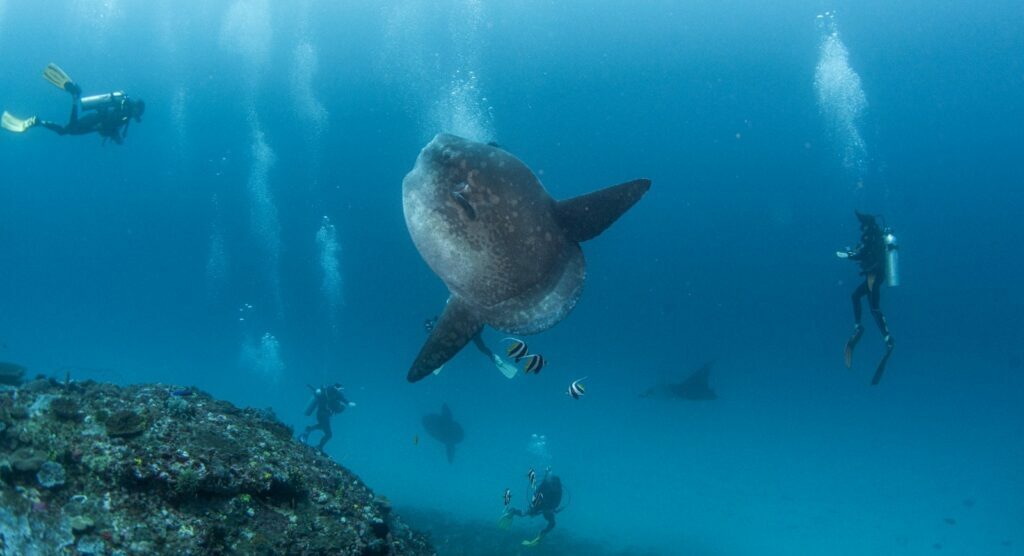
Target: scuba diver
x=107 y=114
x=327 y=401
x=876 y=255
x=547 y=496
x=504 y=367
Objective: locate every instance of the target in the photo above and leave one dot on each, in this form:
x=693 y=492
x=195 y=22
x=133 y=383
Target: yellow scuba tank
x=116 y=99
x=892 y=258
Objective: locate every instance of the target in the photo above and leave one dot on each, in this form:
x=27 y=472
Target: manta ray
x=507 y=251
x=695 y=387
x=444 y=428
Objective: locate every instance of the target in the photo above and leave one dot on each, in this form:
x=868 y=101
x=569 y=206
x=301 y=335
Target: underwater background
x=248 y=239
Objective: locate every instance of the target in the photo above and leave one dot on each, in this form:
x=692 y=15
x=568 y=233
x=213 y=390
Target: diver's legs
x=478 y=341
x=325 y=425
x=73 y=119
x=858 y=293
x=56 y=128
x=74 y=89
x=858 y=330
x=874 y=300
x=304 y=437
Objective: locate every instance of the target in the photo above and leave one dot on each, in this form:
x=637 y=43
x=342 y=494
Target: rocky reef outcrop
x=91 y=468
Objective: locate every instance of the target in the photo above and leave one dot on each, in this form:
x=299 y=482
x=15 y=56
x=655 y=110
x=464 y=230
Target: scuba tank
x=892 y=258
x=116 y=99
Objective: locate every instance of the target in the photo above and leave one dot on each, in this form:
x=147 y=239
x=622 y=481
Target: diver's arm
x=853 y=254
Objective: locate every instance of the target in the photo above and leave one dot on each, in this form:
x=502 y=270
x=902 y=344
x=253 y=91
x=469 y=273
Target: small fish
x=183 y=392
x=576 y=389
x=534 y=363
x=532 y=475
x=508 y=497
x=517 y=349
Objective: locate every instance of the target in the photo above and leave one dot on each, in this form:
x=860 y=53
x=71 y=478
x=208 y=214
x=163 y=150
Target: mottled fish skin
x=507 y=251
x=487 y=227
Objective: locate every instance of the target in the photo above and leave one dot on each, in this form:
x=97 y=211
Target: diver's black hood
x=866 y=220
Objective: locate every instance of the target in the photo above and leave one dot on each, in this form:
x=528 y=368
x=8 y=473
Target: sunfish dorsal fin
x=586 y=216
x=455 y=327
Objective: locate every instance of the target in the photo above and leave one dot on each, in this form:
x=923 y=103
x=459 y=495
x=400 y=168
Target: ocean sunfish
x=507 y=251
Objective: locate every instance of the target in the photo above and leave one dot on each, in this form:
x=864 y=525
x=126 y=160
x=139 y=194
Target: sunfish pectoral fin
x=586 y=216
x=454 y=328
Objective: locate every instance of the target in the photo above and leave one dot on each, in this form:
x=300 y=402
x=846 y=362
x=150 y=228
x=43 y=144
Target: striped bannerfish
x=534 y=363
x=517 y=349
x=576 y=389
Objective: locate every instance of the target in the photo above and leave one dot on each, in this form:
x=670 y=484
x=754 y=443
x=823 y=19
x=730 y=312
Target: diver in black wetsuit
x=871 y=255
x=546 y=500
x=327 y=401
x=106 y=114
x=110 y=119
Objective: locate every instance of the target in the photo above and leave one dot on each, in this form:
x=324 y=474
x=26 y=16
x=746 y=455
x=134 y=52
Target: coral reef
x=90 y=468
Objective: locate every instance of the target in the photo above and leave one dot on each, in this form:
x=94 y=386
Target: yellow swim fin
x=534 y=542
x=504 y=367
x=505 y=521
x=16 y=125
x=55 y=75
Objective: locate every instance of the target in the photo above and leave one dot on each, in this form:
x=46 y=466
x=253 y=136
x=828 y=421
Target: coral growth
x=92 y=468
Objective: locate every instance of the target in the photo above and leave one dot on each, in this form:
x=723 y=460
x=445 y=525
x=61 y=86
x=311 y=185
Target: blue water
x=197 y=252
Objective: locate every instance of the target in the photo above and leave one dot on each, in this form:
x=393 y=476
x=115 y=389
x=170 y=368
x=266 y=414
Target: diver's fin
x=858 y=331
x=504 y=367
x=55 y=75
x=586 y=216
x=534 y=542
x=16 y=125
x=881 y=364
x=455 y=327
x=505 y=521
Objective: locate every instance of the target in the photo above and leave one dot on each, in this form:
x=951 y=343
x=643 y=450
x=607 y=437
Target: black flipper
x=454 y=328
x=858 y=331
x=881 y=365
x=586 y=216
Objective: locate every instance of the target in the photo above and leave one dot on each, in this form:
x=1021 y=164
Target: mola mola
x=507 y=251
x=445 y=429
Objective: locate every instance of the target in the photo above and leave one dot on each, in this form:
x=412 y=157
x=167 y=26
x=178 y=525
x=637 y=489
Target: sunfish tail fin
x=586 y=216
x=454 y=329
